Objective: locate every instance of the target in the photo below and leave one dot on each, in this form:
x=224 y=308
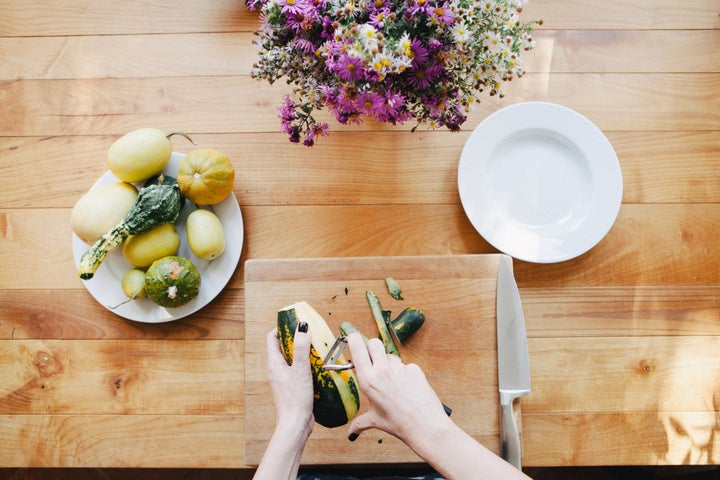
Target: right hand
x=402 y=402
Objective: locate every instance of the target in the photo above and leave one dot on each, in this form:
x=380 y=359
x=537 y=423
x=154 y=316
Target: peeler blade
x=330 y=360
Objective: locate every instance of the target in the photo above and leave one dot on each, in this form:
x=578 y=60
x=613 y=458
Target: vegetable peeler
x=330 y=360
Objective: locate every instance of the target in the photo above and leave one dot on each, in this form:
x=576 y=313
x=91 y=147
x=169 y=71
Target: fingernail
x=353 y=436
x=303 y=327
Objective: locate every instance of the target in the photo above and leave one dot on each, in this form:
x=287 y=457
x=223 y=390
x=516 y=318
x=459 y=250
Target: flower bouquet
x=389 y=60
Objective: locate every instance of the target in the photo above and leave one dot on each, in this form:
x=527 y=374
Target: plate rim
x=153 y=313
x=607 y=200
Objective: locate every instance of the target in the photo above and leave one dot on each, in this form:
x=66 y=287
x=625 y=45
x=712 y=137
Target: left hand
x=292 y=385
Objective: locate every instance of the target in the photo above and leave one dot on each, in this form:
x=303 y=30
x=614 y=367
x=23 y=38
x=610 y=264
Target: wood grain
x=75 y=315
x=62 y=377
x=69 y=17
x=137 y=441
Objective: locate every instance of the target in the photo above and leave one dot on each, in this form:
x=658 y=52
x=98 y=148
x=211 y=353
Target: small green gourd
x=155 y=204
x=172 y=281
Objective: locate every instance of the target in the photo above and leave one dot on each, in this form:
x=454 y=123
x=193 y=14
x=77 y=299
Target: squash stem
x=181 y=134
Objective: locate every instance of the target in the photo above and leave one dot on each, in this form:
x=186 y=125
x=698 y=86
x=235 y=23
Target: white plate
x=540 y=182
x=105 y=284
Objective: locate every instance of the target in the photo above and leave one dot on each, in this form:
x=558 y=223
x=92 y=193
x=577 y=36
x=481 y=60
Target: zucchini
x=407 y=323
x=337 y=396
x=154 y=205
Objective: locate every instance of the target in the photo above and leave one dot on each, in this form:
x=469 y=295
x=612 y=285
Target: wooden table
x=623 y=340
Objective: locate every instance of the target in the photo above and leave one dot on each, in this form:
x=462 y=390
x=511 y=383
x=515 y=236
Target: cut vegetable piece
x=407 y=323
x=393 y=288
x=379 y=317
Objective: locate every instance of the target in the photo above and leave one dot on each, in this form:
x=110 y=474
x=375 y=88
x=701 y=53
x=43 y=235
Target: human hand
x=402 y=402
x=292 y=385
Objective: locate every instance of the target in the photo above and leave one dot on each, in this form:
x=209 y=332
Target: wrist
x=423 y=437
x=296 y=428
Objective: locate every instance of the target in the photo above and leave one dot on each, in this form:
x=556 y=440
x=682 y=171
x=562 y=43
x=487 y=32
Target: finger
x=274 y=354
x=360 y=356
x=359 y=424
x=301 y=345
x=376 y=349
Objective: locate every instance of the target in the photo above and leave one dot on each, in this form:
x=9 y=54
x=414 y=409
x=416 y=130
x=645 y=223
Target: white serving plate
x=540 y=182
x=105 y=284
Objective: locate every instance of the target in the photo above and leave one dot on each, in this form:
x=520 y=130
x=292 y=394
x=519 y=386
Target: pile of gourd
x=141 y=210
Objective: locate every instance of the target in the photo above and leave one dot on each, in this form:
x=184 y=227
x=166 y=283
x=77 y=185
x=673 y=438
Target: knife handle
x=510 y=436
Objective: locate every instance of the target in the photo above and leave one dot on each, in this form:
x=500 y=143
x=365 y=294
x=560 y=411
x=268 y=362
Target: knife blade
x=513 y=363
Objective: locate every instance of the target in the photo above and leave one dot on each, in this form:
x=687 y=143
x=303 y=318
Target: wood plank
x=204 y=54
x=401 y=168
x=621 y=311
x=121 y=441
x=115 y=56
x=99 y=17
x=627 y=51
x=101 y=377
x=75 y=315
x=621 y=14
x=549 y=312
x=439 y=285
x=240 y=104
x=669 y=167
x=593 y=439
x=71 y=17
x=649 y=244
x=668 y=246
x=623 y=374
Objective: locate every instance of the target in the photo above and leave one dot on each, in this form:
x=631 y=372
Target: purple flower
x=371 y=103
x=379 y=18
x=349 y=68
x=422 y=76
x=442 y=14
x=419 y=7
x=316 y=130
x=286 y=113
x=419 y=52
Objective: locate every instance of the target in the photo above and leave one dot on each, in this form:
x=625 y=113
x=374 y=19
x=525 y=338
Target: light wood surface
x=623 y=340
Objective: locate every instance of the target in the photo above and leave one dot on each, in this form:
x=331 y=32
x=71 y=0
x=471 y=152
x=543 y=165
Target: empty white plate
x=540 y=182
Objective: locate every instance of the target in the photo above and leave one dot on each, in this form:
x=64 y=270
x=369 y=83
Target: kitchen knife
x=513 y=365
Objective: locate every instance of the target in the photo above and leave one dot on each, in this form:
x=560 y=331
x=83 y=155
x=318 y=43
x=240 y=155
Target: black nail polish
x=353 y=436
x=303 y=327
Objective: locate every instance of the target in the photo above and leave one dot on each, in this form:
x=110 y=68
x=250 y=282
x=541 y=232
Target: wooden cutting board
x=456 y=347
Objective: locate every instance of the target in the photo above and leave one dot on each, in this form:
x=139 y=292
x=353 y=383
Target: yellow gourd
x=140 y=154
x=205 y=234
x=101 y=209
x=143 y=249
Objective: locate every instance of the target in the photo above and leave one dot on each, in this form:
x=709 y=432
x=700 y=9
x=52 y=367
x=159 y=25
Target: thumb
x=301 y=344
x=359 y=424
